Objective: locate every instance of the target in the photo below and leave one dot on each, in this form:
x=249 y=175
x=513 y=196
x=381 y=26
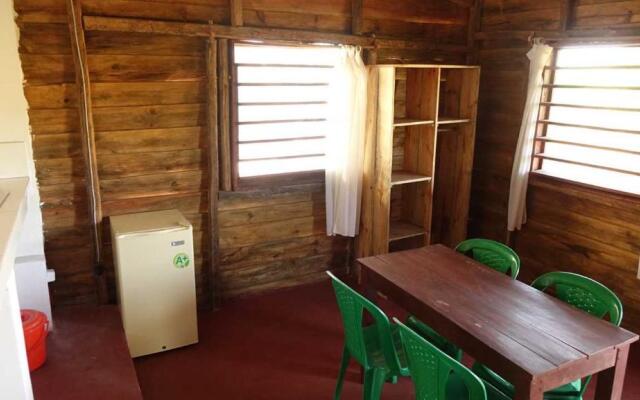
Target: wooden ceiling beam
x=462 y=3
x=112 y=24
x=93 y=23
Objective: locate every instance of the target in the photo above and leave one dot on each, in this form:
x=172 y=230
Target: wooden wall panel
x=149 y=106
x=569 y=227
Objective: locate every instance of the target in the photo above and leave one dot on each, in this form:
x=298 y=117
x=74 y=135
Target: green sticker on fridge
x=181 y=260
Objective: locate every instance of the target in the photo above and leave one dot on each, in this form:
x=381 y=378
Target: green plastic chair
x=581 y=292
x=435 y=375
x=493 y=254
x=377 y=347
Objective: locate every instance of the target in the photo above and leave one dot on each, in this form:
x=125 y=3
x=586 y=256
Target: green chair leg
x=346 y=357
x=376 y=346
x=373 y=382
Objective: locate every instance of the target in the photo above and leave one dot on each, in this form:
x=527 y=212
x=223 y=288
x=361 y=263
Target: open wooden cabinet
x=420 y=137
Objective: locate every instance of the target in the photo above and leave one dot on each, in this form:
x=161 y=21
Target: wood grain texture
x=570 y=227
x=526 y=343
x=149 y=100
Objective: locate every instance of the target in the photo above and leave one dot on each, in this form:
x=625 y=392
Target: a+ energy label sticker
x=181 y=260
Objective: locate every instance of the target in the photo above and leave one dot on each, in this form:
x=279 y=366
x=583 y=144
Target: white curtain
x=539 y=56
x=345 y=142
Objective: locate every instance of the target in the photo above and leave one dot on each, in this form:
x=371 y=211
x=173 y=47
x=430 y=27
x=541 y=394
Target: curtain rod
x=563 y=38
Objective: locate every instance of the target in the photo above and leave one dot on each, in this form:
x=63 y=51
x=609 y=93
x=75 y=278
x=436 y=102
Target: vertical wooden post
x=383 y=159
x=364 y=240
x=212 y=135
x=83 y=87
x=224 y=115
x=475 y=22
x=566 y=17
x=356 y=17
x=235 y=7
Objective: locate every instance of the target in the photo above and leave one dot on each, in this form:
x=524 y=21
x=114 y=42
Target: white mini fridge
x=153 y=255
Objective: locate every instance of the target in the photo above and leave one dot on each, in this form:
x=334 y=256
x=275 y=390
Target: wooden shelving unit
x=411 y=122
x=399 y=230
x=419 y=155
x=404 y=177
x=452 y=120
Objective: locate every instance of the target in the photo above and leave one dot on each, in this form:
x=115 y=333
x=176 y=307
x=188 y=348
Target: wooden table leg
x=528 y=391
x=610 y=381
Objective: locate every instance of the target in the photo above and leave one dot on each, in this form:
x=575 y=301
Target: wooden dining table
x=530 y=338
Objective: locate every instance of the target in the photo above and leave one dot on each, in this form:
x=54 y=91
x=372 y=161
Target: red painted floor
x=87 y=358
x=284 y=345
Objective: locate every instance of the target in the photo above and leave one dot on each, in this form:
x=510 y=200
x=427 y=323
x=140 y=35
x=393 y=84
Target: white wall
x=16 y=159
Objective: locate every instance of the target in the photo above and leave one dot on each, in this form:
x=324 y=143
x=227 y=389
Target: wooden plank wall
x=569 y=228
x=149 y=96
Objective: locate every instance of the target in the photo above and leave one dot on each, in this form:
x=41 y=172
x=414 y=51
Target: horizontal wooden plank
x=185 y=203
x=139 y=44
x=63 y=194
x=146 y=117
x=282 y=195
x=239 y=236
x=117 y=68
x=61 y=145
x=269 y=213
x=111 y=166
x=291 y=20
x=159 y=9
x=287 y=249
x=280 y=284
x=149 y=140
x=59 y=170
x=152 y=185
x=275 y=272
x=65 y=216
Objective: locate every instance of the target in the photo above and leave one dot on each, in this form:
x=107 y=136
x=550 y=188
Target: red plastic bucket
x=35 y=327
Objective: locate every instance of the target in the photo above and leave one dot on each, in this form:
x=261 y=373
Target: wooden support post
x=224 y=116
x=383 y=158
x=475 y=22
x=356 y=17
x=364 y=240
x=236 y=12
x=83 y=87
x=566 y=18
x=212 y=135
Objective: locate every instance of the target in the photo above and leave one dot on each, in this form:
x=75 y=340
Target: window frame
x=540 y=138
x=239 y=183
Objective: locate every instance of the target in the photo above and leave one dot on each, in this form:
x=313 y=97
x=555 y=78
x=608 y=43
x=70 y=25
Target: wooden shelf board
x=410 y=122
x=403 y=177
x=403 y=230
x=452 y=120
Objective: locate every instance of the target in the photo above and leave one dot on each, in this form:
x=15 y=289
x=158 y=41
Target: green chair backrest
x=431 y=369
x=583 y=293
x=352 y=306
x=492 y=254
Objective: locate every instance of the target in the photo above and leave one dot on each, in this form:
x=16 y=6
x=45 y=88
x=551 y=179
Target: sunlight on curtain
x=539 y=56
x=345 y=142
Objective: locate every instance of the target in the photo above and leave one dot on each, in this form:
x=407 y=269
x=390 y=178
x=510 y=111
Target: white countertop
x=12 y=213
